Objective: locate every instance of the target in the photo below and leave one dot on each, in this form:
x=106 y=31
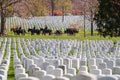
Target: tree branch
x=12 y=2
x=17 y=12
x=29 y=9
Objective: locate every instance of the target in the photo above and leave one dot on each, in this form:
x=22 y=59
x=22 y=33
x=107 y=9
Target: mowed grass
x=79 y=36
x=11 y=69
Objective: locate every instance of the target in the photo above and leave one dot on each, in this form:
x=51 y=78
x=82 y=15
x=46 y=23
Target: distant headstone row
x=53 y=22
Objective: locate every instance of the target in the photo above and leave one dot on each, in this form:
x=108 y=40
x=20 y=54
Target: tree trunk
x=91 y=22
x=52 y=6
x=3 y=28
x=63 y=12
x=3 y=20
x=84 y=21
x=91 y=28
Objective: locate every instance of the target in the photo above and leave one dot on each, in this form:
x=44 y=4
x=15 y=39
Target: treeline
x=51 y=7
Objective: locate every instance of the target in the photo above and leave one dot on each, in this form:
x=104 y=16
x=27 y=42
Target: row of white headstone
x=53 y=22
x=37 y=60
x=5 y=52
x=91 y=64
x=19 y=70
x=63 y=48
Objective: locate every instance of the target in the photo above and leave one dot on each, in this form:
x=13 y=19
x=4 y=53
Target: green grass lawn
x=11 y=66
x=11 y=69
x=79 y=36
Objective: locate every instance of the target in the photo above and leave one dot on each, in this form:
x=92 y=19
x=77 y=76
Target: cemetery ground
x=79 y=36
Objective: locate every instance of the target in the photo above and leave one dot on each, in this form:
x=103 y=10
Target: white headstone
x=61 y=78
x=40 y=74
x=48 y=77
x=50 y=69
x=83 y=68
x=58 y=72
x=108 y=78
x=19 y=70
x=71 y=71
x=31 y=69
x=83 y=62
x=29 y=78
x=96 y=71
x=34 y=70
x=29 y=62
x=107 y=71
x=67 y=62
x=102 y=66
x=116 y=70
x=2 y=77
x=44 y=65
x=56 y=63
x=75 y=63
x=117 y=62
x=92 y=61
x=85 y=76
x=70 y=76
x=99 y=60
x=20 y=75
x=61 y=61
x=92 y=67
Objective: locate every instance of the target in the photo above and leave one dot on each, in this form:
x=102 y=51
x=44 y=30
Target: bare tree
x=6 y=9
x=92 y=9
x=52 y=7
x=88 y=8
x=21 y=8
x=32 y=8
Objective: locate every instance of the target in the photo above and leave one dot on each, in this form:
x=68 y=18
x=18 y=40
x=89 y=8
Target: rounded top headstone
x=29 y=78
